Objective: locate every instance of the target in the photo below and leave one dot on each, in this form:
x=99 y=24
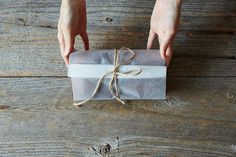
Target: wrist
x=179 y=2
x=72 y=1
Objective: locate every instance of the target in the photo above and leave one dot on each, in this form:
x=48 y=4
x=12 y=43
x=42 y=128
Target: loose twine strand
x=113 y=86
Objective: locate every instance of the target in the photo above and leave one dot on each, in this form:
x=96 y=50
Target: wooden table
x=37 y=117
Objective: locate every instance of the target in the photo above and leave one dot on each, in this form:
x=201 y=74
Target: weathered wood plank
x=69 y=144
x=43 y=40
x=215 y=92
x=37 y=118
x=30 y=51
x=202 y=67
x=209 y=15
x=22 y=63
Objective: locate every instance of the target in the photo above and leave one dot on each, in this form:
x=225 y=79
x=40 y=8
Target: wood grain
x=205 y=43
x=184 y=66
x=43 y=40
x=196 y=15
x=38 y=119
x=34 y=51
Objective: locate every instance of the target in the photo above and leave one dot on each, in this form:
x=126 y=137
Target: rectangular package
x=86 y=67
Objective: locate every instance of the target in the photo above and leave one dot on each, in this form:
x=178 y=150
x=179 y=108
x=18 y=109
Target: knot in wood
x=172 y=101
x=105 y=149
x=108 y=19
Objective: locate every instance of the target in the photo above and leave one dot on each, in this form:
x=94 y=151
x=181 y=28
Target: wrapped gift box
x=86 y=67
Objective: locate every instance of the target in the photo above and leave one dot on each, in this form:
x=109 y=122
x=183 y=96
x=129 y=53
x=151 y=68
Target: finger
x=169 y=54
x=151 y=37
x=62 y=43
x=69 y=44
x=85 y=39
x=164 y=45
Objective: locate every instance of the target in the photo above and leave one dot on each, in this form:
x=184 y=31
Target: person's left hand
x=164 y=23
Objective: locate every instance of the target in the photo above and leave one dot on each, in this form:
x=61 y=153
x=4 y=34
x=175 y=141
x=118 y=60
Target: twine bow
x=113 y=86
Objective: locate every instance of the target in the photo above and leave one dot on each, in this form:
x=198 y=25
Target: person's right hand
x=72 y=22
x=164 y=24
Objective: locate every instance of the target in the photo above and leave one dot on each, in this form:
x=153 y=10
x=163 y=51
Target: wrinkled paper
x=86 y=67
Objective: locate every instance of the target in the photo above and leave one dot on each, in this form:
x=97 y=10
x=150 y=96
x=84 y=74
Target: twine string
x=113 y=84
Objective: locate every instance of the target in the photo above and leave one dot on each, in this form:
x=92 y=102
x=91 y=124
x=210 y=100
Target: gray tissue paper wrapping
x=86 y=67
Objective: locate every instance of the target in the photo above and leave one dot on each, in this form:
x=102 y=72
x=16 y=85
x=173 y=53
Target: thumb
x=169 y=54
x=151 y=37
x=85 y=39
x=69 y=45
x=164 y=45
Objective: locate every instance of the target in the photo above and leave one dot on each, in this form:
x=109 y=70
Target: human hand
x=72 y=22
x=164 y=24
